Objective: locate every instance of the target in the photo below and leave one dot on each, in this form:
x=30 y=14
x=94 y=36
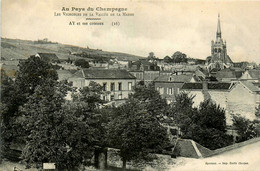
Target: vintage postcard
x=130 y=85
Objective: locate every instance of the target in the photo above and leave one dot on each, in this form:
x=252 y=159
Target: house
x=227 y=75
x=50 y=57
x=143 y=65
x=167 y=59
x=216 y=91
x=166 y=73
x=65 y=74
x=144 y=70
x=123 y=63
x=243 y=99
x=191 y=61
x=117 y=84
x=68 y=65
x=99 y=63
x=169 y=85
x=251 y=75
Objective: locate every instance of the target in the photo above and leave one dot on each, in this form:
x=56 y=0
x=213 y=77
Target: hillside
x=21 y=49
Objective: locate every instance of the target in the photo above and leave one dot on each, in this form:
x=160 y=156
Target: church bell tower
x=219 y=57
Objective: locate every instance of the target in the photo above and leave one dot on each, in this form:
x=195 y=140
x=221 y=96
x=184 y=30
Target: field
x=12 y=49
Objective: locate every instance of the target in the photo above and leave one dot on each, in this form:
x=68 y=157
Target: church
x=219 y=59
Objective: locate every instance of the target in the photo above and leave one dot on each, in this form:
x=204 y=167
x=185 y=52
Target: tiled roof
x=254 y=74
x=228 y=73
x=193 y=86
x=144 y=62
x=65 y=74
x=174 y=78
x=211 y=86
x=167 y=58
x=203 y=70
x=105 y=74
x=250 y=86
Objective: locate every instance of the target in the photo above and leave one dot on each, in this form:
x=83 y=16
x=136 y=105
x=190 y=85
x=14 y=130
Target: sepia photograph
x=130 y=85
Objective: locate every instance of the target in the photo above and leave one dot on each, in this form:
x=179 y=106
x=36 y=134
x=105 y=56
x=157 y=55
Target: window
x=119 y=86
x=112 y=87
x=120 y=96
x=170 y=91
x=104 y=86
x=129 y=85
x=104 y=98
x=112 y=97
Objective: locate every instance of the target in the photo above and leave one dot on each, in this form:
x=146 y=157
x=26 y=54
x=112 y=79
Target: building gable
x=246 y=75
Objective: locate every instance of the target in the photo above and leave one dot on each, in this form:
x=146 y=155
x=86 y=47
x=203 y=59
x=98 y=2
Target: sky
x=161 y=27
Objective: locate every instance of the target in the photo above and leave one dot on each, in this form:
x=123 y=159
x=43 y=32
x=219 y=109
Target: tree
x=179 y=57
x=55 y=134
x=205 y=125
x=90 y=94
x=135 y=132
x=211 y=126
x=32 y=72
x=82 y=63
x=151 y=56
x=183 y=112
x=212 y=115
x=151 y=99
x=246 y=129
x=35 y=112
x=7 y=90
x=86 y=105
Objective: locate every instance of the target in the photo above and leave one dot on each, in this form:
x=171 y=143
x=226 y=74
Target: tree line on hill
x=34 y=113
x=177 y=57
x=99 y=57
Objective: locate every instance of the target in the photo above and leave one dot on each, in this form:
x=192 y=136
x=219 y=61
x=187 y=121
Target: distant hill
x=12 y=49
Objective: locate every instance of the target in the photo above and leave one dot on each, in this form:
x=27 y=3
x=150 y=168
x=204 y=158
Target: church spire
x=218 y=28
